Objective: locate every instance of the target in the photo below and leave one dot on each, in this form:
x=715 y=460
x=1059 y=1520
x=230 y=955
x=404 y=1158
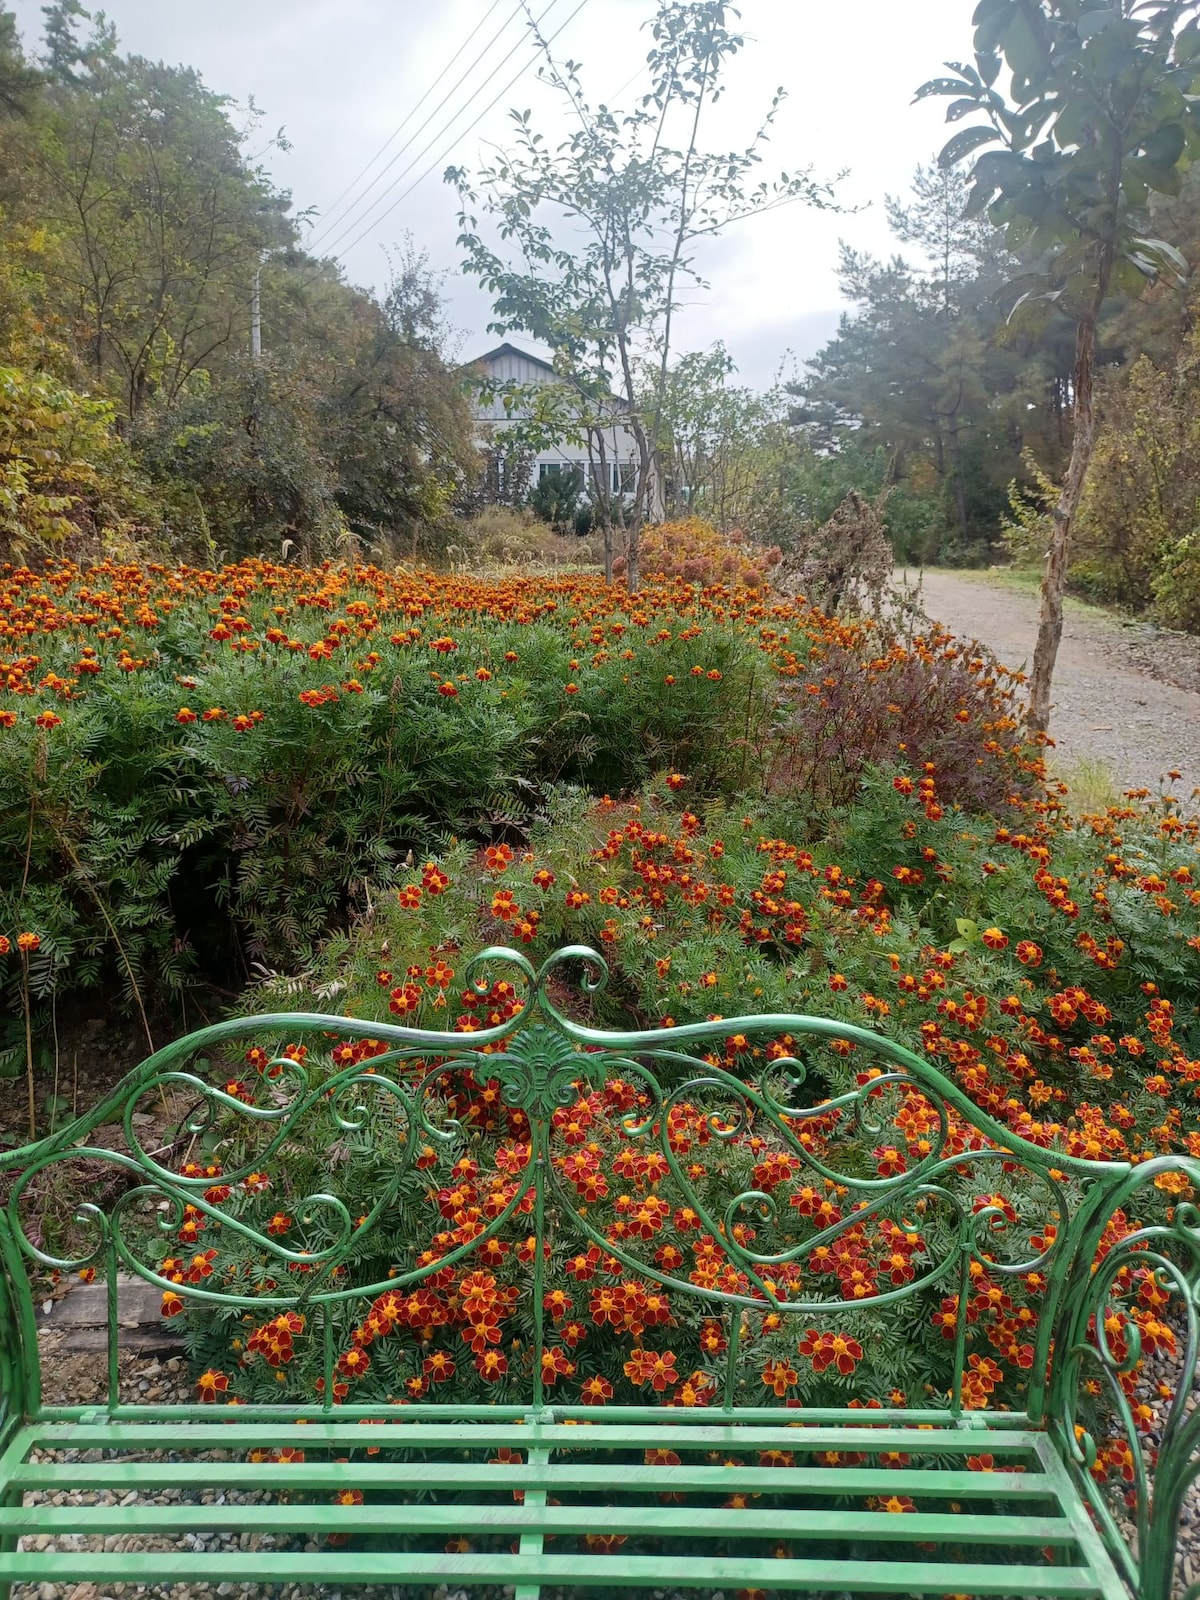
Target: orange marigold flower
x=185 y=714
x=780 y=1376
x=27 y=943
x=434 y=879
x=831 y=1349
x=439 y=1366
x=353 y=1363
x=211 y=1383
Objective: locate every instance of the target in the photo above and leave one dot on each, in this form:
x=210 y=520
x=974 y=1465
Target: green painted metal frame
x=539 y=1056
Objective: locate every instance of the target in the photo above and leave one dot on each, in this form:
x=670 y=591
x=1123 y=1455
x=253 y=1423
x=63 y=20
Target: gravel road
x=1124 y=694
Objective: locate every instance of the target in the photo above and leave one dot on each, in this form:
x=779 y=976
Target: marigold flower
x=27 y=943
x=212 y=1383
x=185 y=714
x=353 y=1363
x=831 y=1349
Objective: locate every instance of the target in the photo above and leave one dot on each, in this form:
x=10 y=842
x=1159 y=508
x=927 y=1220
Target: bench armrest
x=1129 y=1293
x=18 y=1335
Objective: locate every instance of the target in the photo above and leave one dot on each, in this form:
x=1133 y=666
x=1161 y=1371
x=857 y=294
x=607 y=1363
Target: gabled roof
x=507 y=349
x=511 y=350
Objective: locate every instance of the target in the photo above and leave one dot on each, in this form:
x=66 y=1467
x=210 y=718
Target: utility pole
x=256 y=317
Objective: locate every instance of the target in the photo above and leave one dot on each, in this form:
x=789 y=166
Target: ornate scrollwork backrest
x=810 y=1206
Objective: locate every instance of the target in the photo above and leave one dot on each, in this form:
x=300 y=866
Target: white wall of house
x=510 y=365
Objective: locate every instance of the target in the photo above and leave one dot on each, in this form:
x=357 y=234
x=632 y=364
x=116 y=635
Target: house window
x=624 y=477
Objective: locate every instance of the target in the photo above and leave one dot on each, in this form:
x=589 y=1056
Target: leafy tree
x=243 y=466
x=1098 y=115
x=163 y=222
x=717 y=441
x=19 y=81
x=926 y=369
x=598 y=236
x=64 y=473
x=400 y=430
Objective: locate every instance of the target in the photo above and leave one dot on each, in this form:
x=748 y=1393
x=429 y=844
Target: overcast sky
x=340 y=76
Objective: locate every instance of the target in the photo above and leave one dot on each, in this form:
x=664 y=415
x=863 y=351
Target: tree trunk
x=960 y=487
x=1050 y=622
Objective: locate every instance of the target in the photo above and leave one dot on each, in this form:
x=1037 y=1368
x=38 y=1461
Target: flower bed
x=203 y=768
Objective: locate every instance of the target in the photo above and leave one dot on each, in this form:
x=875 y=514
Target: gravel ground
x=1125 y=694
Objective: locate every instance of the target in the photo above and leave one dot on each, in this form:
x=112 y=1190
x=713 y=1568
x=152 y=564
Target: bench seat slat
x=859 y=1577
x=717 y=1523
x=557 y=1477
x=438 y=1412
x=417 y=1435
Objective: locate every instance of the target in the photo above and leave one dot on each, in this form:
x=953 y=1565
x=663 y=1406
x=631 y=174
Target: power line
x=319 y=267
x=332 y=219
x=458 y=137
x=398 y=131
x=331 y=248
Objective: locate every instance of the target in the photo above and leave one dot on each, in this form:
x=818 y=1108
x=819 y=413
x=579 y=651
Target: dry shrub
x=863 y=699
x=695 y=551
x=845 y=563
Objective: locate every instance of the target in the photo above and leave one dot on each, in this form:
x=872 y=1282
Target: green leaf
x=991 y=19
x=964 y=144
x=943 y=86
x=1165 y=145
x=989 y=63
x=1093 y=22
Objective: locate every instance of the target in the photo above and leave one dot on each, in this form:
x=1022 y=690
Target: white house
x=613 y=448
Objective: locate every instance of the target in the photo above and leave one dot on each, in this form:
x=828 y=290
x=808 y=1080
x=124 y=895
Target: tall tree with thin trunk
x=598 y=235
x=1091 y=103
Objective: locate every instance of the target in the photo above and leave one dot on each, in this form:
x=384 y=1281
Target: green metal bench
x=760 y=1475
